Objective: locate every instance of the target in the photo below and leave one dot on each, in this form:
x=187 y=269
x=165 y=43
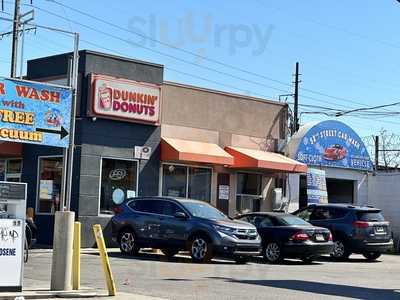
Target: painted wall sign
x=316 y=186
x=333 y=144
x=125 y=100
x=36 y=113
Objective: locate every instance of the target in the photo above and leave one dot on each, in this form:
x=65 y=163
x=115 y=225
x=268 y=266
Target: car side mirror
x=180 y=215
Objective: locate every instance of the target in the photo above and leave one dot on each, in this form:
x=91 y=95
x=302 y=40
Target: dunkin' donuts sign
x=125 y=100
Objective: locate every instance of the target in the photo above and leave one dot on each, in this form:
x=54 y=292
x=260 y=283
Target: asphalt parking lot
x=152 y=275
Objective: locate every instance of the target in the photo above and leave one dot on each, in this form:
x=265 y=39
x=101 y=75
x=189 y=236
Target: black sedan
x=284 y=235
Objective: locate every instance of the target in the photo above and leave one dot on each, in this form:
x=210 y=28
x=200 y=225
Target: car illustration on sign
x=335 y=152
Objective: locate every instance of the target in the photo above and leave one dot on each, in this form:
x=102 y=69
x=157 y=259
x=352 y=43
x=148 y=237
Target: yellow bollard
x=76 y=258
x=98 y=233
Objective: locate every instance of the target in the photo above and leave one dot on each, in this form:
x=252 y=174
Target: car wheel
x=272 y=253
x=371 y=256
x=308 y=259
x=127 y=242
x=340 y=250
x=169 y=252
x=200 y=249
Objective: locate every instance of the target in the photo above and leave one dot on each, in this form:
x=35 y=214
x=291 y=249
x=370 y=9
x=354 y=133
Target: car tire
x=308 y=259
x=371 y=256
x=169 y=252
x=340 y=250
x=127 y=242
x=272 y=253
x=200 y=249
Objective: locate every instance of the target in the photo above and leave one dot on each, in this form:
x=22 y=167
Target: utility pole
x=14 y=51
x=296 y=101
x=376 y=140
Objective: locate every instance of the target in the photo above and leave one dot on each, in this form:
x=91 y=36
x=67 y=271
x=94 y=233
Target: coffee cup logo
x=105 y=97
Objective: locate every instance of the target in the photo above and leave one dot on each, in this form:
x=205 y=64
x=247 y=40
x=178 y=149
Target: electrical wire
x=204 y=57
x=185 y=61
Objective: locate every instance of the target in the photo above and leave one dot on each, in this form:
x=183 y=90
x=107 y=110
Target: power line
x=230 y=86
x=184 y=61
x=202 y=78
x=202 y=56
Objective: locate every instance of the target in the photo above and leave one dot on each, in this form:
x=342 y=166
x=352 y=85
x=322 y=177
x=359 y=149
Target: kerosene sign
x=125 y=100
x=12 y=235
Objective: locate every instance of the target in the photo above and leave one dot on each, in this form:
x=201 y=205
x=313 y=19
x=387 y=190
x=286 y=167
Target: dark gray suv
x=355 y=229
x=173 y=225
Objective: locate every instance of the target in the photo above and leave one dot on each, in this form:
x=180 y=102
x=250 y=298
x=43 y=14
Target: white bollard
x=61 y=268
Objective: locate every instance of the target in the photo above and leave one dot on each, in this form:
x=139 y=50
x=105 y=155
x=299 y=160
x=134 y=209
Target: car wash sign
x=36 y=113
x=125 y=100
x=333 y=144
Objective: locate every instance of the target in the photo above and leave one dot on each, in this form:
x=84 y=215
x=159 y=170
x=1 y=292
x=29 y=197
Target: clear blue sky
x=349 y=50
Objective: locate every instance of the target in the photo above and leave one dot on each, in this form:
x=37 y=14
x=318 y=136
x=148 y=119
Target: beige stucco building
x=221 y=147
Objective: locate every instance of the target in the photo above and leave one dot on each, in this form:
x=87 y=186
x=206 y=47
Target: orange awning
x=191 y=151
x=249 y=158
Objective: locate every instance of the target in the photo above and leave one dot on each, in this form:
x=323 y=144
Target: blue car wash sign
x=333 y=144
x=36 y=113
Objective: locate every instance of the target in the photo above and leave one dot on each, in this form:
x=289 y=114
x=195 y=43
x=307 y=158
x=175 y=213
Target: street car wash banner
x=33 y=112
x=316 y=186
x=333 y=144
x=125 y=100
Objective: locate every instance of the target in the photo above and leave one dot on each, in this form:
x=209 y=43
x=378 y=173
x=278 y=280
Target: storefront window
x=2 y=170
x=14 y=170
x=248 y=192
x=186 y=182
x=174 y=181
x=199 y=184
x=117 y=176
x=50 y=174
x=10 y=170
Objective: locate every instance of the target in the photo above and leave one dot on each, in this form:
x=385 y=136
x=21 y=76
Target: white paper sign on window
x=223 y=192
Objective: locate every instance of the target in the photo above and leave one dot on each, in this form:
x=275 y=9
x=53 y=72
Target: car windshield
x=204 y=210
x=292 y=220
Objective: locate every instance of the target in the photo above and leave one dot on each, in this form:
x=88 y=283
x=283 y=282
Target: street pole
x=15 y=32
x=71 y=147
x=296 y=100
x=61 y=268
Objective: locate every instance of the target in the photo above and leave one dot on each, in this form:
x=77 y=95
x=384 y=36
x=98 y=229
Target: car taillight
x=300 y=237
x=330 y=237
x=360 y=224
x=118 y=210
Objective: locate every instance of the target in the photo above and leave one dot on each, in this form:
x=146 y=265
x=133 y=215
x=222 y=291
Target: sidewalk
x=37 y=281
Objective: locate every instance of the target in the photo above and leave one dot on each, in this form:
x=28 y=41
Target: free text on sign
x=33 y=112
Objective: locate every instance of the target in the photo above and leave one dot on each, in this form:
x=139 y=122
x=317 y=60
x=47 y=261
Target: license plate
x=319 y=238
x=379 y=230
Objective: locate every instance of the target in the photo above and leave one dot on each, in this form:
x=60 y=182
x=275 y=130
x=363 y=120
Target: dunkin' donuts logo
x=126 y=100
x=105 y=97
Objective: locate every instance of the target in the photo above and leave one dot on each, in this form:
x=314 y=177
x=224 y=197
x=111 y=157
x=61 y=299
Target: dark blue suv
x=173 y=225
x=355 y=229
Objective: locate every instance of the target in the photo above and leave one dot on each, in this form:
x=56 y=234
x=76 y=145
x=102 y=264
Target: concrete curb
x=81 y=294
